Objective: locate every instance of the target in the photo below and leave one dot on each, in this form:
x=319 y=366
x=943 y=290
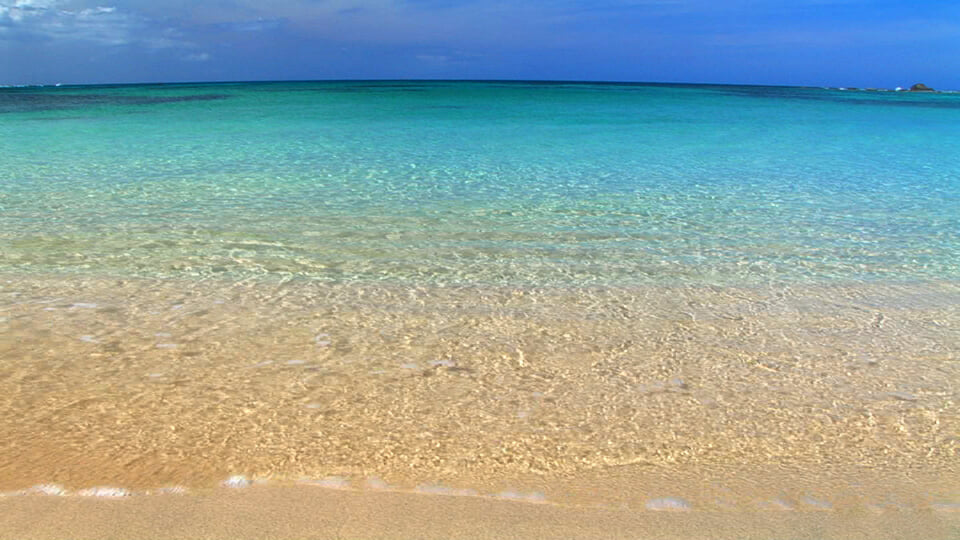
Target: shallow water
x=146 y=383
x=666 y=298
x=473 y=183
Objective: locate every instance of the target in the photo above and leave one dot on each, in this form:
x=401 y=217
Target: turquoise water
x=473 y=183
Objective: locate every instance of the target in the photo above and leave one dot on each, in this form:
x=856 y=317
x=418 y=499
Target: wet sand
x=838 y=403
x=302 y=513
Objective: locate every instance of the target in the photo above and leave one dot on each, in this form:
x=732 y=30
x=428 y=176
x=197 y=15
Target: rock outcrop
x=920 y=87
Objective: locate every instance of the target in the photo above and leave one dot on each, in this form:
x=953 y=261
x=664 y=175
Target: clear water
x=649 y=297
x=470 y=183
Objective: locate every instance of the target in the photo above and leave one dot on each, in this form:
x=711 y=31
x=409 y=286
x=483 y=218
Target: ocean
x=515 y=184
x=483 y=286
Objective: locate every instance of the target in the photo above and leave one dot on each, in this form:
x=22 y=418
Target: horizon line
x=462 y=80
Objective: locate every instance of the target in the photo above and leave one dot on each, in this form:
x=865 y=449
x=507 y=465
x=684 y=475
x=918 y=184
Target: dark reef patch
x=20 y=101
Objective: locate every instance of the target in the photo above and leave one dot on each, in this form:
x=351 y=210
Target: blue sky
x=803 y=42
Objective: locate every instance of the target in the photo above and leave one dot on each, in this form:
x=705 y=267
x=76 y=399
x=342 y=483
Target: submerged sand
x=741 y=403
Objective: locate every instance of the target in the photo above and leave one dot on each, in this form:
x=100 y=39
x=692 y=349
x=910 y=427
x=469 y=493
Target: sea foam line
x=375 y=484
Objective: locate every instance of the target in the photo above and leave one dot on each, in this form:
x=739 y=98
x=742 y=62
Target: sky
x=862 y=43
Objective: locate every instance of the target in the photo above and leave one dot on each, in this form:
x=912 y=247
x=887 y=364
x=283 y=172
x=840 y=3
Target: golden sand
x=310 y=513
x=830 y=399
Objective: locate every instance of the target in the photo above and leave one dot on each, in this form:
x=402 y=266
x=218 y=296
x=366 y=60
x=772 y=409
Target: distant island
x=918 y=87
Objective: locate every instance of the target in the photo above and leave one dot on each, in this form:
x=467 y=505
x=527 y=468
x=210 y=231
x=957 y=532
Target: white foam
x=818 y=503
x=47 y=489
x=163 y=334
x=166 y=345
x=83 y=305
x=775 y=504
x=236 y=481
x=668 y=504
x=322 y=340
x=172 y=490
x=105 y=491
x=945 y=507
x=296 y=362
x=902 y=396
x=436 y=489
x=443 y=363
x=88 y=339
x=409 y=365
x=532 y=497
x=375 y=482
x=329 y=482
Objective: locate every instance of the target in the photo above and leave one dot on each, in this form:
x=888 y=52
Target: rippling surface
x=516 y=184
x=560 y=289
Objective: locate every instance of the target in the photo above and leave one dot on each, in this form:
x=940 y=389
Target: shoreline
x=309 y=512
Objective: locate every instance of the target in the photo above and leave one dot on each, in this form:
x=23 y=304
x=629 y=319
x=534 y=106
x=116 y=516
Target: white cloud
x=904 y=31
x=197 y=57
x=433 y=58
x=27 y=20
